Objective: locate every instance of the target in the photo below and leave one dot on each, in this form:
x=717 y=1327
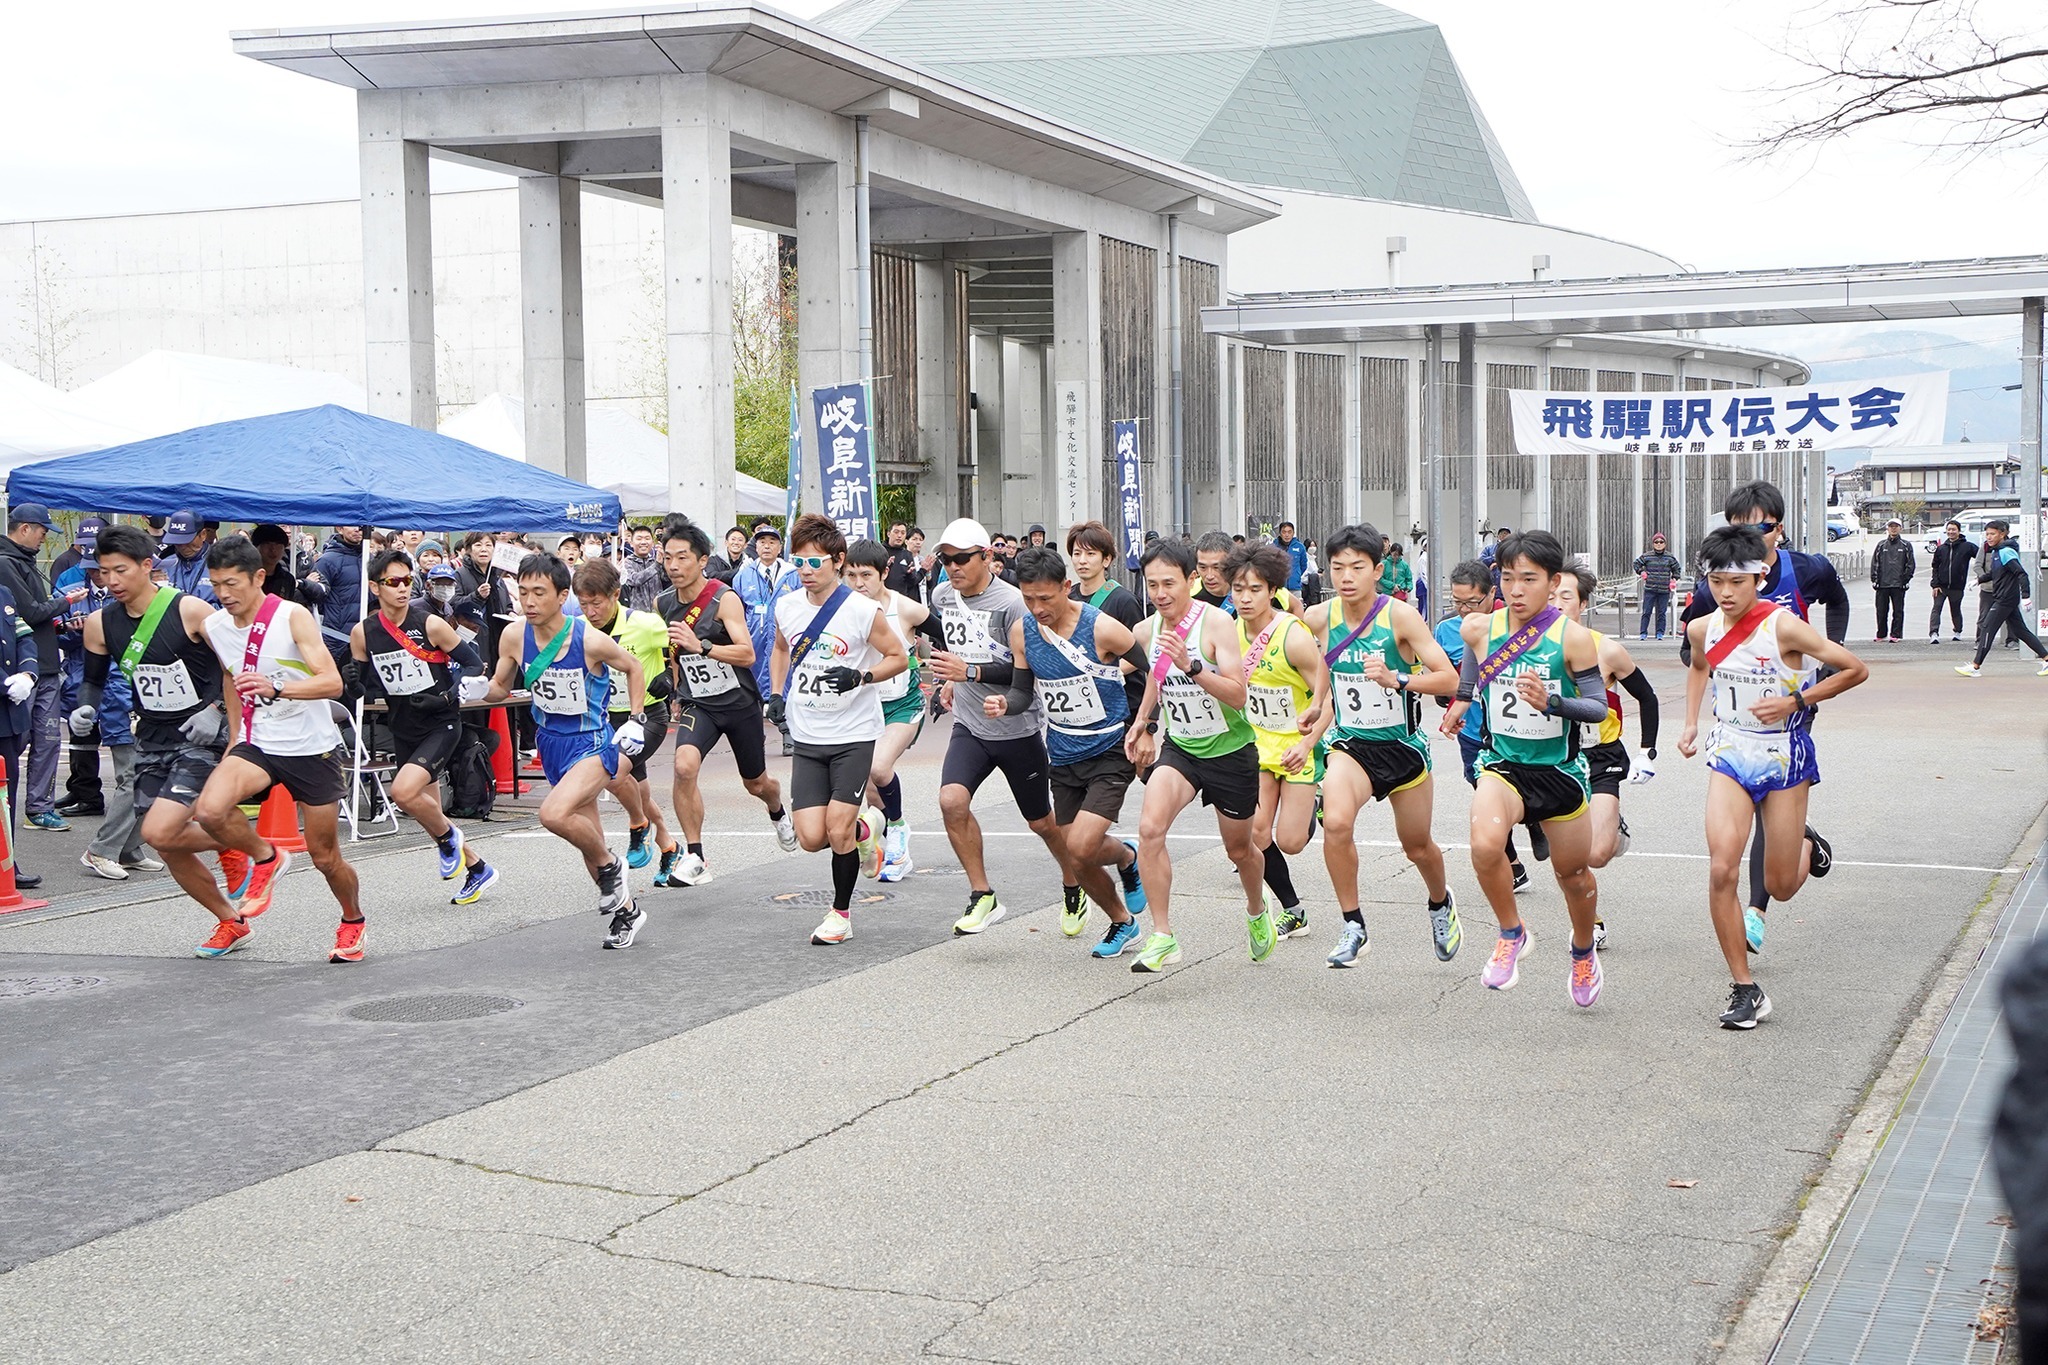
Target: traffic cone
x=501 y=757
x=278 y=823
x=11 y=898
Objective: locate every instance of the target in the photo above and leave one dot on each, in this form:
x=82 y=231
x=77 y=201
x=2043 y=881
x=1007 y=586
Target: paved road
x=994 y=1148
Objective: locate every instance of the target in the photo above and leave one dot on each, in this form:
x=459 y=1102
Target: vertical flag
x=846 y=458
x=1130 y=481
x=796 y=455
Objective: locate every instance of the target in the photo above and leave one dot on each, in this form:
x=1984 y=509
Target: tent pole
x=355 y=782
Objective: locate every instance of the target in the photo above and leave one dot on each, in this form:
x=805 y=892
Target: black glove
x=842 y=679
x=775 y=707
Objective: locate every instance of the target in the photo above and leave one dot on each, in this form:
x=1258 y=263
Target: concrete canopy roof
x=757 y=48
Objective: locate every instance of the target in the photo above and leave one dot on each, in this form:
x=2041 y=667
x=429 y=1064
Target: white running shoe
x=103 y=867
x=691 y=870
x=785 y=831
x=834 y=928
x=896 y=863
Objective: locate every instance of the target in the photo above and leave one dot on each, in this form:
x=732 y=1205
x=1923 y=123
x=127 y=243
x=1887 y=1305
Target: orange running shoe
x=348 y=941
x=234 y=870
x=228 y=935
x=263 y=882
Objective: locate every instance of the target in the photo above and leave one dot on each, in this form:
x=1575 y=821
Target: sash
x=1336 y=651
x=1101 y=595
x=675 y=669
x=1162 y=665
x=1740 y=631
x=553 y=651
x=252 y=653
x=145 y=632
x=1084 y=663
x=404 y=642
x=1516 y=645
x=808 y=636
x=1257 y=650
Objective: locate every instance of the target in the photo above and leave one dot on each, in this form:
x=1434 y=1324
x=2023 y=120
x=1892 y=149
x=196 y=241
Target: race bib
x=559 y=692
x=401 y=674
x=1071 y=703
x=1271 y=708
x=1507 y=713
x=808 y=690
x=1363 y=704
x=967 y=634
x=1735 y=692
x=706 y=678
x=165 y=687
x=1191 y=713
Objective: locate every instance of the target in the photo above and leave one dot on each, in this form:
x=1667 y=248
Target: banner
x=1837 y=415
x=846 y=460
x=1070 y=422
x=1130 y=480
x=796 y=456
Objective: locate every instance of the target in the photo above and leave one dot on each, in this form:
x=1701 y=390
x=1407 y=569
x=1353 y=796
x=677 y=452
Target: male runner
x=1212 y=553
x=415 y=662
x=643 y=634
x=1472 y=592
x=1374 y=646
x=1283 y=672
x=712 y=667
x=867 y=571
x=1070 y=659
x=1540 y=673
x=157 y=635
x=1195 y=675
x=278 y=675
x=1754 y=654
x=832 y=646
x=2002 y=583
x=973 y=611
x=1091 y=549
x=567 y=667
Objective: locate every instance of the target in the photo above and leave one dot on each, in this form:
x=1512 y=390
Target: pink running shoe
x=1586 y=979
x=1503 y=969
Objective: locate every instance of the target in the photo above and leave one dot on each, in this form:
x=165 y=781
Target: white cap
x=965 y=534
x=1895 y=522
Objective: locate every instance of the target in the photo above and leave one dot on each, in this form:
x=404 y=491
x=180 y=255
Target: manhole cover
x=431 y=1009
x=821 y=899
x=20 y=987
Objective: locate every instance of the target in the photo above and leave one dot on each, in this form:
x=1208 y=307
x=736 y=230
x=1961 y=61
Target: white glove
x=204 y=728
x=83 y=718
x=631 y=738
x=1642 y=770
x=475 y=689
x=20 y=687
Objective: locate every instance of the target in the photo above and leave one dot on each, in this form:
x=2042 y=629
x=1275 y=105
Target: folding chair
x=367 y=805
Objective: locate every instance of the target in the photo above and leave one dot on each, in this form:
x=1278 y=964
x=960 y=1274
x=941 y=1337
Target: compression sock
x=1357 y=917
x=1580 y=954
x=891 y=793
x=1511 y=850
x=697 y=850
x=845 y=871
x=1759 y=898
x=775 y=816
x=1278 y=878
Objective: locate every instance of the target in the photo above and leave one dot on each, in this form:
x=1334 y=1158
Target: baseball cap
x=183 y=525
x=1895 y=522
x=442 y=573
x=269 y=533
x=30 y=514
x=89 y=529
x=964 y=533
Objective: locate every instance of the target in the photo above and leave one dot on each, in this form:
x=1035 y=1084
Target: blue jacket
x=1297 y=558
x=17 y=655
x=758 y=588
x=337 y=597
x=1812 y=579
x=187 y=576
x=115 y=701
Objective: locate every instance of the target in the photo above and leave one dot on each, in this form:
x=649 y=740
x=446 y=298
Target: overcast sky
x=1619 y=116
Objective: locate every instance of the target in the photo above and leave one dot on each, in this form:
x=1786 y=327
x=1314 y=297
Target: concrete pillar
x=1470 y=476
x=398 y=267
x=994 y=458
x=1234 y=444
x=1076 y=365
x=939 y=489
x=828 y=292
x=1542 y=516
x=551 y=322
x=1679 y=532
x=1290 y=438
x=1354 y=450
x=696 y=214
x=1445 y=550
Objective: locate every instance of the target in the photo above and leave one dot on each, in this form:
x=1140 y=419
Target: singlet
x=1753 y=670
x=569 y=696
x=1608 y=731
x=176 y=676
x=1516 y=732
x=977 y=630
x=643 y=635
x=1195 y=721
x=898 y=687
x=818 y=715
x=285 y=728
x=1086 y=713
x=1275 y=694
x=1365 y=710
x=419 y=689
x=710 y=683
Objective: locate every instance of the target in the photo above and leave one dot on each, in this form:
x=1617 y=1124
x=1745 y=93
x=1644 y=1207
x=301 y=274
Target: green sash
x=145 y=632
x=545 y=660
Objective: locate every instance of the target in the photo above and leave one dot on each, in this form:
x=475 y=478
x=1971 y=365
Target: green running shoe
x=983 y=909
x=1444 y=928
x=1260 y=927
x=1160 y=952
x=1074 y=918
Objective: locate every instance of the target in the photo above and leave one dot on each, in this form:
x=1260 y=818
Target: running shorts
x=1273 y=745
x=654 y=726
x=1229 y=782
x=1763 y=763
x=175 y=772
x=561 y=750
x=1096 y=785
x=427 y=744
x=907 y=709
x=312 y=779
x=1606 y=766
x=1548 y=792
x=1389 y=764
x=970 y=759
x=700 y=727
x=821 y=774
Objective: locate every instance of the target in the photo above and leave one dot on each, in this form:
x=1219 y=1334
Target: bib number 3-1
x=1363 y=704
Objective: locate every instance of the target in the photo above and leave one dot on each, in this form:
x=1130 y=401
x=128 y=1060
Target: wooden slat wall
x=1265 y=436
x=1571 y=494
x=1448 y=397
x=895 y=289
x=1383 y=423
x=1504 y=467
x=1617 y=492
x=1201 y=383
x=1319 y=444
x=1130 y=368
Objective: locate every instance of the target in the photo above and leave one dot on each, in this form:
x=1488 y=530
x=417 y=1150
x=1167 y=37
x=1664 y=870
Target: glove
x=83 y=718
x=775 y=708
x=630 y=738
x=20 y=687
x=204 y=728
x=475 y=689
x=842 y=679
x=1644 y=768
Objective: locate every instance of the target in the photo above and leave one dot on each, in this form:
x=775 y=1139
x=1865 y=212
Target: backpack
x=473 y=787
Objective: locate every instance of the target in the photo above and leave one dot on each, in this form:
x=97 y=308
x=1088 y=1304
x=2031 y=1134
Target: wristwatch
x=1799 y=700
x=867 y=676
x=1401 y=682
x=1195 y=665
x=974 y=672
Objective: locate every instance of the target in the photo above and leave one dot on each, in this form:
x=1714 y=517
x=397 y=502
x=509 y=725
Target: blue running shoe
x=1350 y=947
x=1752 y=929
x=1134 y=889
x=667 y=875
x=1120 y=939
x=451 y=853
x=482 y=877
x=638 y=854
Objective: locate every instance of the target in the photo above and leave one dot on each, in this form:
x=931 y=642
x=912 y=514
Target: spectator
x=903 y=575
x=28 y=526
x=83 y=794
x=482 y=593
x=82 y=544
x=1036 y=534
x=759 y=582
x=570 y=550
x=333 y=589
x=640 y=575
x=1657 y=569
x=184 y=566
x=278 y=580
x=1891 y=569
x=1311 y=577
x=1487 y=555
x=1297 y=554
x=1005 y=548
x=410 y=542
x=1950 y=576
x=1398 y=578
x=430 y=555
x=723 y=566
x=20 y=666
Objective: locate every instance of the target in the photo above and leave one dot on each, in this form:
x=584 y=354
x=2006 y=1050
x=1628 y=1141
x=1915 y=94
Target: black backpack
x=473 y=787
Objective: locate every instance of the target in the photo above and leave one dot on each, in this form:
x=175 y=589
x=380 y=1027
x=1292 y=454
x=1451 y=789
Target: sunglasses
x=810 y=561
x=1762 y=528
x=405 y=582
x=962 y=558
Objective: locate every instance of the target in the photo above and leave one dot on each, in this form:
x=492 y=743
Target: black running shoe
x=1747 y=1005
x=1822 y=859
x=1521 y=878
x=665 y=874
x=1539 y=842
x=625 y=924
x=611 y=887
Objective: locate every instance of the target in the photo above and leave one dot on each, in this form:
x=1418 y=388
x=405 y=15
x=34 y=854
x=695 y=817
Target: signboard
x=796 y=457
x=1838 y=415
x=846 y=460
x=1070 y=444
x=1130 y=480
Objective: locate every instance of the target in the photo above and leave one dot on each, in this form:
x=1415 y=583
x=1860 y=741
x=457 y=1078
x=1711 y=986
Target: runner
x=566 y=666
x=832 y=646
x=1212 y=553
x=644 y=635
x=1754 y=655
x=1607 y=758
x=1541 y=675
x=1374 y=647
x=1072 y=663
x=867 y=566
x=1091 y=549
x=278 y=668
x=415 y=663
x=1208 y=751
x=158 y=637
x=1283 y=671
x=973 y=613
x=1472 y=592
x=712 y=667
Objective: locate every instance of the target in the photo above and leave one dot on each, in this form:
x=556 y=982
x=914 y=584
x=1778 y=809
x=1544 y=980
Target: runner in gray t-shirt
x=972 y=612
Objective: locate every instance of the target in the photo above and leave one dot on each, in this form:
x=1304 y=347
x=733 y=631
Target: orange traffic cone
x=11 y=898
x=501 y=757
x=278 y=824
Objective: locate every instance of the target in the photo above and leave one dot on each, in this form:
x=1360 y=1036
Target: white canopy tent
x=626 y=456
x=167 y=391
x=38 y=422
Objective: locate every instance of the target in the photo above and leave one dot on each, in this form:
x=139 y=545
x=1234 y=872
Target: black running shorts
x=1229 y=782
x=1548 y=793
x=1096 y=785
x=821 y=774
x=312 y=779
x=655 y=727
x=699 y=727
x=1606 y=766
x=428 y=744
x=1389 y=765
x=970 y=759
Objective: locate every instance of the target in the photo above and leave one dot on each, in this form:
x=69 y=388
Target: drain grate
x=431 y=1009
x=821 y=899
x=22 y=987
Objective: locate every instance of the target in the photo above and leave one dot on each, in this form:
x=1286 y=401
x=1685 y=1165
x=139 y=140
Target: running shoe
x=785 y=832
x=1290 y=923
x=482 y=877
x=1074 y=913
x=612 y=895
x=234 y=872
x=1753 y=928
x=2042 y=671
x=1134 y=885
x=103 y=867
x=688 y=870
x=451 y=853
x=1351 y=945
x=1521 y=878
x=145 y=863
x=1504 y=968
x=1539 y=842
x=665 y=874
x=1119 y=938
x=1747 y=1006
x=638 y=853
x=262 y=885
x=1599 y=935
x=1968 y=671
x=1444 y=930
x=983 y=909
x=1260 y=929
x=1160 y=952
x=50 y=820
x=348 y=941
x=1586 y=978
x=896 y=863
x=228 y=935
x=1621 y=838
x=626 y=922
x=868 y=841
x=836 y=927
x=1822 y=860
x=1934 y=639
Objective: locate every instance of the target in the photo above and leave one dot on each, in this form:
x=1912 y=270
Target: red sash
x=404 y=642
x=1516 y=645
x=1740 y=631
x=252 y=653
x=675 y=669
